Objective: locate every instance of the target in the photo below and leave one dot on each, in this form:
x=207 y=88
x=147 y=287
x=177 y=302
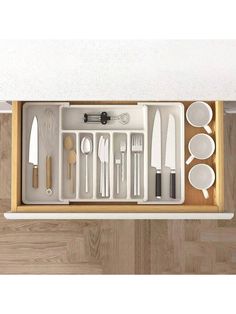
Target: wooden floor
x=117 y=247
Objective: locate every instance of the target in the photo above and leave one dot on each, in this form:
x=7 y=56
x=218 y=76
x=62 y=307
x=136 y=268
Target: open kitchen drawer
x=194 y=201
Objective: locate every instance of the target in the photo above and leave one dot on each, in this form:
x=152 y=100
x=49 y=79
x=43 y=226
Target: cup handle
x=190 y=159
x=205 y=193
x=208 y=129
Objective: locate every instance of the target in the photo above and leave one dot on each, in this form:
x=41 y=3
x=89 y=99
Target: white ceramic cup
x=201 y=146
x=199 y=114
x=202 y=177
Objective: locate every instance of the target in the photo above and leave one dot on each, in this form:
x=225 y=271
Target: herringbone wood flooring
x=117 y=247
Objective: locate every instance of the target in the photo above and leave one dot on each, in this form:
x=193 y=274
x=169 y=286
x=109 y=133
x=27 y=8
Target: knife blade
x=156 y=151
x=33 y=151
x=170 y=154
x=101 y=149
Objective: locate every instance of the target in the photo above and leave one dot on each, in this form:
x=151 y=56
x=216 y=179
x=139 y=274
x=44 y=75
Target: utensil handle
x=205 y=193
x=173 y=185
x=135 y=174
x=102 y=179
x=118 y=179
x=158 y=184
x=208 y=129
x=123 y=167
x=35 y=182
x=100 y=190
x=72 y=179
x=189 y=160
x=86 y=173
x=48 y=172
x=138 y=174
x=68 y=171
x=107 y=179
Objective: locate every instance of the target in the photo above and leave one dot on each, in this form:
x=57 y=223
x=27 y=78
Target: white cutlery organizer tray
x=70 y=121
x=31 y=195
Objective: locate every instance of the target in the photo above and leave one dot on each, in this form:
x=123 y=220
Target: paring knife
x=170 y=155
x=33 y=151
x=156 y=151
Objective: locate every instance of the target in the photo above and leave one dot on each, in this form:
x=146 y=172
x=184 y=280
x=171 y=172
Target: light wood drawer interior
x=194 y=201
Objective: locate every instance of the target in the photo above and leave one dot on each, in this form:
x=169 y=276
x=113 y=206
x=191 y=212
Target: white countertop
x=118 y=70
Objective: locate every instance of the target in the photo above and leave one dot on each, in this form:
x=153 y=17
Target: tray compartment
x=118 y=140
x=82 y=168
x=72 y=120
x=104 y=170
x=69 y=182
x=48 y=147
x=177 y=110
x=136 y=166
x=194 y=196
x=72 y=117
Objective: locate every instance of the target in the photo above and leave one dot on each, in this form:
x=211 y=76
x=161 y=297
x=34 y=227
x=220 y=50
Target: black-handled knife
x=156 y=152
x=170 y=154
x=158 y=184
x=172 y=184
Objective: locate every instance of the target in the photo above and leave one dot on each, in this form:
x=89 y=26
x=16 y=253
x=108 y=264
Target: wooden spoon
x=68 y=145
x=71 y=159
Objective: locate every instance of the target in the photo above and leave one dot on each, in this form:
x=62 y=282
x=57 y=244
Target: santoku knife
x=33 y=151
x=156 y=151
x=170 y=155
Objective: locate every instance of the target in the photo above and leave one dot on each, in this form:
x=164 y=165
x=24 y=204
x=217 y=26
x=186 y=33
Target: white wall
x=118 y=70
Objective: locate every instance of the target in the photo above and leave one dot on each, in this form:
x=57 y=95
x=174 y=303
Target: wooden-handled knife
x=33 y=151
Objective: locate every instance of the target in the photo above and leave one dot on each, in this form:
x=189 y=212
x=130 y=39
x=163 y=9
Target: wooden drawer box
x=194 y=201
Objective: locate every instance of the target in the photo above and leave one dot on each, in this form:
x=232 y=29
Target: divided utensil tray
x=25 y=199
x=68 y=120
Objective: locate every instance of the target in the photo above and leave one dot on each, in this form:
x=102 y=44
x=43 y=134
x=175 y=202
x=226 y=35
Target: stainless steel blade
x=170 y=144
x=33 y=144
x=101 y=149
x=106 y=150
x=156 y=142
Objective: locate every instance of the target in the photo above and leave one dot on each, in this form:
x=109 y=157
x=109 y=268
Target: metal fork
x=137 y=148
x=123 y=150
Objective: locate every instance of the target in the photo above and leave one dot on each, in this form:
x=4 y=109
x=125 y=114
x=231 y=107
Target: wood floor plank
x=118 y=246
x=5 y=156
x=142 y=247
x=54 y=268
x=161 y=248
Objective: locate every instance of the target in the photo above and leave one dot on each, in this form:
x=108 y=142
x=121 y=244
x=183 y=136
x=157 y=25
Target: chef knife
x=33 y=151
x=170 y=154
x=156 y=151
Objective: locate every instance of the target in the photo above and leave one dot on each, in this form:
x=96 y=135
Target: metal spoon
x=86 y=148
